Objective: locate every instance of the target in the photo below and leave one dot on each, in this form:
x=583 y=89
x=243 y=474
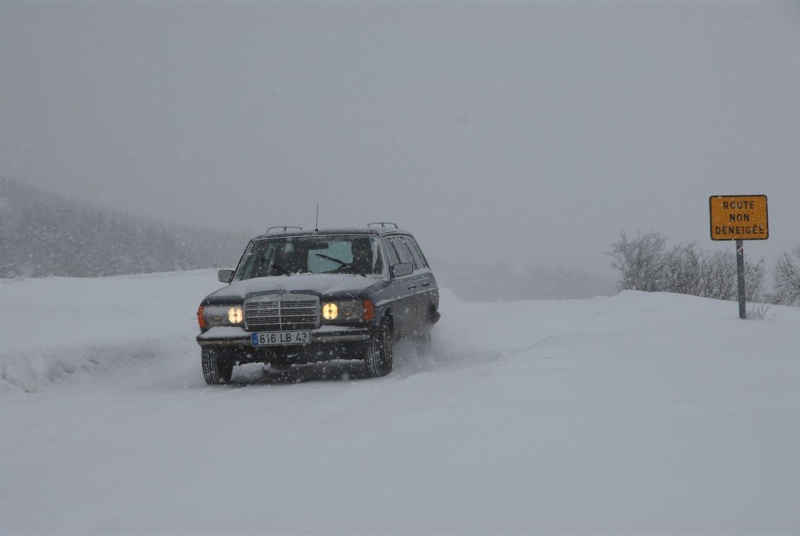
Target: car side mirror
x=225 y=276
x=404 y=268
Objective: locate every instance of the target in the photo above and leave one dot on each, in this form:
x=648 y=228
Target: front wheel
x=379 y=357
x=215 y=369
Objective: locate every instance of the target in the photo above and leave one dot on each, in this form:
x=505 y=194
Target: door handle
x=426 y=284
x=412 y=287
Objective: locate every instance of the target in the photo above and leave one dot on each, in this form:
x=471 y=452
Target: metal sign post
x=739 y=217
x=740 y=275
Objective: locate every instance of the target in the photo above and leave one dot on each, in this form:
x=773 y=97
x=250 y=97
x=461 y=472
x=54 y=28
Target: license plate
x=280 y=338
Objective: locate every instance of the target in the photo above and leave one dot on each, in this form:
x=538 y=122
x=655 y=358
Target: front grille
x=282 y=312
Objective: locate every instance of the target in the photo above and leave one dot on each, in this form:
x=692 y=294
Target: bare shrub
x=645 y=263
x=640 y=261
x=787 y=277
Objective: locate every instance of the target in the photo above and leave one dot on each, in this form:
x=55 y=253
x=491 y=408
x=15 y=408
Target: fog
x=527 y=132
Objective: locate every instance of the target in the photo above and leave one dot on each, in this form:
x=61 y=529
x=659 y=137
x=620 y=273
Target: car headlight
x=220 y=315
x=348 y=311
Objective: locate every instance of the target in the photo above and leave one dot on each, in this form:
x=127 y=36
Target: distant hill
x=44 y=234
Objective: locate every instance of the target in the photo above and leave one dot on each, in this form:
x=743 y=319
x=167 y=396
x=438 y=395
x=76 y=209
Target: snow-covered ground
x=639 y=413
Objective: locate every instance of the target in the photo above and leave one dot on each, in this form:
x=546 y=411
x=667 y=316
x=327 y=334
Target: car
x=299 y=297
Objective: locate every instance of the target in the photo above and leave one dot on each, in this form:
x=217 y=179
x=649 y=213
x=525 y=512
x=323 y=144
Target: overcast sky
x=526 y=131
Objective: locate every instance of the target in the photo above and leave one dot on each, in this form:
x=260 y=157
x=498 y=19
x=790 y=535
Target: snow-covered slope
x=638 y=413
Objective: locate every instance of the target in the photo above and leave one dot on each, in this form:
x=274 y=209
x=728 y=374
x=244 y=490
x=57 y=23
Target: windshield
x=348 y=254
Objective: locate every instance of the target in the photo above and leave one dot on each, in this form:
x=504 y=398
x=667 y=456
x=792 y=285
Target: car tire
x=379 y=356
x=216 y=371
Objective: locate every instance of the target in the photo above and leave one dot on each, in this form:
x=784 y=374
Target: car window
x=419 y=260
x=402 y=251
x=256 y=260
x=391 y=254
x=415 y=247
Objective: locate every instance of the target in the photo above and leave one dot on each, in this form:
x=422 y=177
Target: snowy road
x=639 y=413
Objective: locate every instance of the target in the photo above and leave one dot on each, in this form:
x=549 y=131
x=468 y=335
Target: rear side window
x=402 y=250
x=419 y=259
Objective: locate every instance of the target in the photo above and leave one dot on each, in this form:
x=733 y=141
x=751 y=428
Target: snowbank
x=54 y=328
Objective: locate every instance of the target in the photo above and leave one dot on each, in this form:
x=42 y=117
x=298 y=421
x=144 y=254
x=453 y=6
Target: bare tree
x=787 y=276
x=683 y=270
x=640 y=261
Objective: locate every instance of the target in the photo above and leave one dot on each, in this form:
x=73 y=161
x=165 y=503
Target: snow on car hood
x=338 y=285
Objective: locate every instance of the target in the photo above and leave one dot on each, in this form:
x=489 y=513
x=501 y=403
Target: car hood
x=324 y=285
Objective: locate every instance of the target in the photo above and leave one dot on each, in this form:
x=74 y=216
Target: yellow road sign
x=738 y=217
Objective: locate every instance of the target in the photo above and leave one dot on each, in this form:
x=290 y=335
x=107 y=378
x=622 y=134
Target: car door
x=412 y=286
x=428 y=291
x=403 y=305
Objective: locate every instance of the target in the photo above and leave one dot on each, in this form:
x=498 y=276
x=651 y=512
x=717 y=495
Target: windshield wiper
x=341 y=263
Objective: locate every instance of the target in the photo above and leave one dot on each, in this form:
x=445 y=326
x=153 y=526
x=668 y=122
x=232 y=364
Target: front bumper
x=328 y=343
x=236 y=336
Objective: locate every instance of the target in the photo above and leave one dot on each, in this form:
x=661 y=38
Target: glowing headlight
x=330 y=311
x=223 y=315
x=235 y=315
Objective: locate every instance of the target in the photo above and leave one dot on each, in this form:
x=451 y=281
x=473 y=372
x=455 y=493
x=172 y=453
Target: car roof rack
x=383 y=224
x=283 y=228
